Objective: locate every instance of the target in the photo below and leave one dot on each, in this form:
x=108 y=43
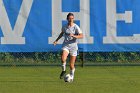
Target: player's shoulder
x=77 y=26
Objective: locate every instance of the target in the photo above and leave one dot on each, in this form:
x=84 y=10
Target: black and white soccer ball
x=68 y=78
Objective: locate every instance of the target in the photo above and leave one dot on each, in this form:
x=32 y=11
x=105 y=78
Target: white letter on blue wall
x=112 y=18
x=14 y=36
x=83 y=16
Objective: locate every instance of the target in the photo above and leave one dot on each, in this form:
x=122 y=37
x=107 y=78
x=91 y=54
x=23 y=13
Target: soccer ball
x=68 y=78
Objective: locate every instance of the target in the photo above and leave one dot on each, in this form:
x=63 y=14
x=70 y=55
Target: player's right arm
x=60 y=35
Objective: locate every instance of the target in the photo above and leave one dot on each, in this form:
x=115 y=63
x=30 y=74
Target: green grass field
x=95 y=79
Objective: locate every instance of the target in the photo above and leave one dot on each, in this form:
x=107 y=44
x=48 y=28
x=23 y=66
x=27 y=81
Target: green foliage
x=119 y=57
x=55 y=57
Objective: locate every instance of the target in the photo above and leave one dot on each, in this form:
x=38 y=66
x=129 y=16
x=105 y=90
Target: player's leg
x=72 y=63
x=64 y=58
x=65 y=53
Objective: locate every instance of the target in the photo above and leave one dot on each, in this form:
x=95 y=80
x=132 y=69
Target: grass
x=94 y=79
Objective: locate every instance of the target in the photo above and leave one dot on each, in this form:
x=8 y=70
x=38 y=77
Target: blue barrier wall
x=33 y=25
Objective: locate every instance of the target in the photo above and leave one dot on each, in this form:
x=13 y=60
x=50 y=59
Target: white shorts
x=72 y=52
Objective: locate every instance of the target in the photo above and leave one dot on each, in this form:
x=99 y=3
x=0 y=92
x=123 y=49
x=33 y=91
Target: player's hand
x=54 y=43
x=72 y=35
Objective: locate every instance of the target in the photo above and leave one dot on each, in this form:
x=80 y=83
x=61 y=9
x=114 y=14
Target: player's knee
x=63 y=60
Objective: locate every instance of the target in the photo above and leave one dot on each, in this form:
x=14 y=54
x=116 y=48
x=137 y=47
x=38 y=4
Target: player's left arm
x=79 y=35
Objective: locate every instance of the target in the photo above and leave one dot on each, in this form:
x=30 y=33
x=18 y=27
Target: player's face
x=71 y=19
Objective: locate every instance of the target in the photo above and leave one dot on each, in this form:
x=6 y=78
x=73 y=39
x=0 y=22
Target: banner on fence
x=33 y=25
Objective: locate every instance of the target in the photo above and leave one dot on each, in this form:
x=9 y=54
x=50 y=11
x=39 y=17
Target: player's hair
x=69 y=14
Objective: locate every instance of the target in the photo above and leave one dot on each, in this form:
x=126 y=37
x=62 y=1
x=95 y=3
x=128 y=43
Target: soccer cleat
x=62 y=74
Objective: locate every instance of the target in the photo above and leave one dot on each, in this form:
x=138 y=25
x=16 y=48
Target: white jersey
x=69 y=41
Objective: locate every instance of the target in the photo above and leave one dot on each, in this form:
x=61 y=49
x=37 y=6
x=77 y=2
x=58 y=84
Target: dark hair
x=69 y=14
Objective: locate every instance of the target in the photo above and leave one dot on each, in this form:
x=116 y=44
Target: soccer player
x=71 y=33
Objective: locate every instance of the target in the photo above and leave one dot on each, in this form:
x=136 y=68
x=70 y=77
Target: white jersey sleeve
x=78 y=29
